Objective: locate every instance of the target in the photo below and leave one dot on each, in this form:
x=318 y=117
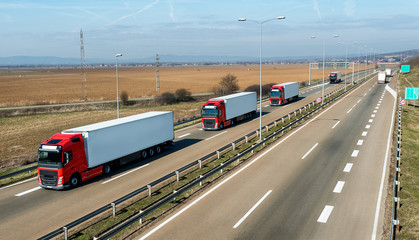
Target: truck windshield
x=49 y=156
x=209 y=113
x=332 y=76
x=275 y=93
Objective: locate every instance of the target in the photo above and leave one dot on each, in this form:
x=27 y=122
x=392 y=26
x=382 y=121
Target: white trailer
x=388 y=72
x=381 y=77
x=238 y=104
x=110 y=140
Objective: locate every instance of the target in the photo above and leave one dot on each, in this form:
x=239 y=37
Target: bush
x=303 y=84
x=229 y=83
x=124 y=98
x=166 y=98
x=266 y=89
x=183 y=95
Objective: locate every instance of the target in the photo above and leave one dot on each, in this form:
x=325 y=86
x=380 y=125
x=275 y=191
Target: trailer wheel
x=144 y=154
x=158 y=149
x=106 y=169
x=151 y=152
x=75 y=180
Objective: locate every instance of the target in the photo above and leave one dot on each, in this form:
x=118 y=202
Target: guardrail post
x=397 y=200
x=247 y=139
x=295 y=113
x=65 y=233
x=300 y=110
x=305 y=108
x=289 y=117
x=397 y=224
x=267 y=128
x=174 y=198
x=257 y=133
x=149 y=190
x=282 y=120
x=221 y=168
x=233 y=145
x=141 y=219
x=177 y=175
x=200 y=183
x=275 y=123
x=200 y=163
x=218 y=154
x=113 y=209
x=398 y=185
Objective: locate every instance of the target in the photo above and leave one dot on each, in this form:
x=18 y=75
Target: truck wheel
x=221 y=126
x=74 y=180
x=106 y=169
x=151 y=152
x=144 y=154
x=158 y=149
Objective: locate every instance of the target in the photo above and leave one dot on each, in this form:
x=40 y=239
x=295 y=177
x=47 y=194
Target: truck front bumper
x=59 y=187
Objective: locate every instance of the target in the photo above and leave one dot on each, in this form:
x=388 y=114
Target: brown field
x=21 y=87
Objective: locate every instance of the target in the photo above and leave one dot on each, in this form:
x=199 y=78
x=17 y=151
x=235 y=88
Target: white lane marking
x=309 y=151
x=365 y=94
x=348 y=167
x=28 y=191
x=355 y=153
x=349 y=110
x=336 y=124
x=375 y=111
x=252 y=209
x=391 y=91
x=339 y=187
x=110 y=180
x=360 y=142
x=358 y=101
x=380 y=193
x=215 y=135
x=367 y=126
x=378 y=104
x=238 y=171
x=325 y=214
x=201 y=129
x=380 y=100
x=266 y=105
x=372 y=115
x=376 y=107
x=184 y=135
x=18 y=183
x=364 y=134
x=371 y=120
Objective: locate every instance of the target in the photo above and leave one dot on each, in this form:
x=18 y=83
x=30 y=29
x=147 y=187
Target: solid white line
x=355 y=153
x=380 y=193
x=238 y=172
x=349 y=110
x=364 y=134
x=309 y=151
x=125 y=174
x=360 y=142
x=325 y=214
x=26 y=192
x=184 y=135
x=27 y=180
x=215 y=135
x=367 y=126
x=336 y=124
x=252 y=209
x=339 y=187
x=348 y=167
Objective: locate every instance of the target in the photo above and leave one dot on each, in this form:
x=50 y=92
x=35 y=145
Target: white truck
x=283 y=93
x=78 y=154
x=388 y=72
x=335 y=77
x=381 y=77
x=221 y=112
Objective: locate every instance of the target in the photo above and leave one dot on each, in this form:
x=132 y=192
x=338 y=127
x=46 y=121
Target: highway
x=322 y=181
x=30 y=212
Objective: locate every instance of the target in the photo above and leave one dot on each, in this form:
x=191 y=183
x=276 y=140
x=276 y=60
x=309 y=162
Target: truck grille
x=48 y=178
x=209 y=123
x=274 y=101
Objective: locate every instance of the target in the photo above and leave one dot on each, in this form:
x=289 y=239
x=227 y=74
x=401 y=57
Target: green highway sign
x=411 y=93
x=405 y=69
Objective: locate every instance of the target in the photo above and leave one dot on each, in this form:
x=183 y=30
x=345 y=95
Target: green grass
x=408 y=214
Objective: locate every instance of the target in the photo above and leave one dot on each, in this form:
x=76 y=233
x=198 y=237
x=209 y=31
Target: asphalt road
x=30 y=212
x=323 y=181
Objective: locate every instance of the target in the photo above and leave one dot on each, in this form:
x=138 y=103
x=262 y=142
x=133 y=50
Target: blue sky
x=140 y=29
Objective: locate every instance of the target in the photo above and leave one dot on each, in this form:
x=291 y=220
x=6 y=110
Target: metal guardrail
x=395 y=223
x=11 y=174
x=198 y=162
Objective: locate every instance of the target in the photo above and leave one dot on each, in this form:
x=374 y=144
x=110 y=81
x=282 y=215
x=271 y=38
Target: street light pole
x=260 y=67
x=117 y=91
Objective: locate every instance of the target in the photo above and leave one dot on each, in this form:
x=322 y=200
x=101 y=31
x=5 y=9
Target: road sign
x=318 y=100
x=411 y=93
x=405 y=69
x=403 y=101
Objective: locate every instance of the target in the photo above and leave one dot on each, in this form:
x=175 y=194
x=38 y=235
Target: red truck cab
x=276 y=96
x=62 y=162
x=214 y=115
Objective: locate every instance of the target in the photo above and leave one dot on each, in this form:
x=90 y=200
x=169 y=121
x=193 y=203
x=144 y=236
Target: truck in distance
x=388 y=72
x=221 y=112
x=381 y=77
x=284 y=93
x=335 y=77
x=75 y=155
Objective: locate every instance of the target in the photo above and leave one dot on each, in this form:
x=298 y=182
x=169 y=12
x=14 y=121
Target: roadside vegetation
x=408 y=213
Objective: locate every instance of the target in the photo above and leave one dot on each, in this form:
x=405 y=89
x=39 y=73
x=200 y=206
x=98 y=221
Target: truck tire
x=221 y=126
x=144 y=154
x=75 y=180
x=151 y=152
x=158 y=149
x=106 y=169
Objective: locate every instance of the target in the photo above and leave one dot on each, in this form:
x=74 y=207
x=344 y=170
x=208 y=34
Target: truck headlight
x=60 y=180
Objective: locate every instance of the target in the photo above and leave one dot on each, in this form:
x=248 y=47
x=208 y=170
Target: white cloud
x=349 y=8
x=136 y=13
x=172 y=11
x=316 y=7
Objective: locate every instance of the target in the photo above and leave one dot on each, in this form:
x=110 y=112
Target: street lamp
x=117 y=91
x=324 y=62
x=346 y=59
x=260 y=67
x=355 y=43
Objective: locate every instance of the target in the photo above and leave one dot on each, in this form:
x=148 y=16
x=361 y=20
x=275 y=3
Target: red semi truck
x=335 y=77
x=283 y=93
x=221 y=112
x=79 y=154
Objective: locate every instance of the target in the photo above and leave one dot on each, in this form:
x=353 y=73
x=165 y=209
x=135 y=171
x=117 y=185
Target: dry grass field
x=21 y=87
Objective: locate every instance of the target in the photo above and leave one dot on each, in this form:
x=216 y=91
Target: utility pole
x=157 y=73
x=82 y=66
